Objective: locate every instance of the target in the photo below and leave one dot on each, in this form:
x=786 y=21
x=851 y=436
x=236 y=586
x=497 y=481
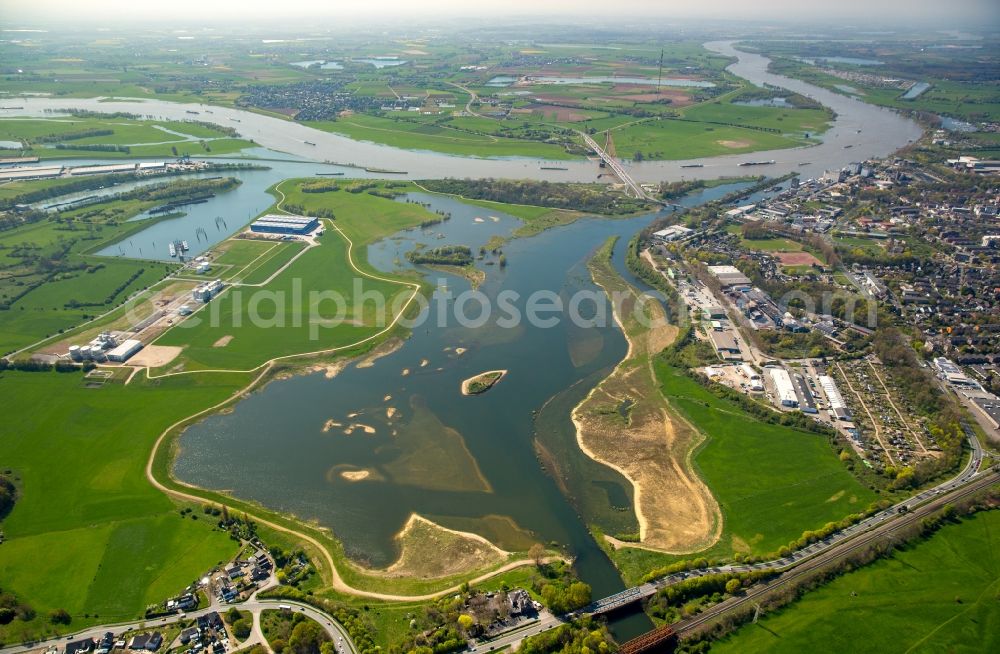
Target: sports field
x=938 y=595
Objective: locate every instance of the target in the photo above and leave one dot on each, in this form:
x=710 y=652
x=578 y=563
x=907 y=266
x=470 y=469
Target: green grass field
x=423 y=136
x=245 y=327
x=681 y=139
x=112 y=542
x=939 y=595
x=144 y=138
x=234 y=340
x=772 y=482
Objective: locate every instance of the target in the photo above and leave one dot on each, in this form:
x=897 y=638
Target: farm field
x=129 y=138
x=771 y=482
x=683 y=139
x=43 y=299
x=113 y=542
x=937 y=595
x=437 y=138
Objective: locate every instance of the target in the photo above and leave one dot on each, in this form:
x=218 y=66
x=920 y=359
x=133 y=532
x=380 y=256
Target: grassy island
x=482 y=382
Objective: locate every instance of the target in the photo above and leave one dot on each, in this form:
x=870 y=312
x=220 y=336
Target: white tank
x=74 y=352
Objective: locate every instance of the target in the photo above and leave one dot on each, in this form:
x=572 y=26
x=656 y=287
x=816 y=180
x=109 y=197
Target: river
x=882 y=132
x=470 y=463
x=272 y=447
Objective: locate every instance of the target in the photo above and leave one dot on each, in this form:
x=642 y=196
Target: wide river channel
x=487 y=463
x=860 y=131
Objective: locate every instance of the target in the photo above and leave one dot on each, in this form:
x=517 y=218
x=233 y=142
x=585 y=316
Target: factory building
x=838 y=408
x=729 y=276
x=30 y=172
x=753 y=377
x=102 y=170
x=124 y=352
x=276 y=224
x=672 y=233
x=783 y=385
x=208 y=290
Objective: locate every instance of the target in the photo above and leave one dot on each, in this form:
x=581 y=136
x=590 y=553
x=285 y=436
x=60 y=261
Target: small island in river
x=482 y=382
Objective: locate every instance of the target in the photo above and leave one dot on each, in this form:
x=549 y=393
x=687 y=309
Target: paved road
x=255 y=606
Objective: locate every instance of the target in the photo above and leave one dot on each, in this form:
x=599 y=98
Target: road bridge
x=617 y=168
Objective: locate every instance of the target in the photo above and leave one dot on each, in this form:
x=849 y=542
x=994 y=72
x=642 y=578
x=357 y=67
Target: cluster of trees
x=291 y=633
x=439 y=628
x=11 y=608
x=583 y=636
x=33 y=365
x=447 y=255
x=95 y=147
x=359 y=627
x=322 y=186
x=674 y=190
x=359 y=187
x=589 y=198
x=8 y=494
x=687 y=597
x=560 y=589
x=72 y=136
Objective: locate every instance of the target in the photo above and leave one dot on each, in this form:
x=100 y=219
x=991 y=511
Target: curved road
x=255 y=606
x=882 y=132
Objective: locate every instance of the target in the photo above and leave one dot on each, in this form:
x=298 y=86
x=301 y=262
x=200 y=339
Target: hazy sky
x=982 y=12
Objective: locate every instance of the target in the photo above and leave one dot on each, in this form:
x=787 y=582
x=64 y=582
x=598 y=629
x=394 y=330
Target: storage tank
x=74 y=352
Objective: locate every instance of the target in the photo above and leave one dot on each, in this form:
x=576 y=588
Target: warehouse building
x=276 y=224
x=103 y=169
x=672 y=233
x=783 y=386
x=30 y=172
x=124 y=352
x=729 y=276
x=725 y=345
x=838 y=408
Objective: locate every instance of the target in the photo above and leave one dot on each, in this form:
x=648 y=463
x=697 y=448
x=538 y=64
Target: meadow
x=112 y=543
x=136 y=138
x=937 y=595
x=223 y=336
x=772 y=482
x=422 y=135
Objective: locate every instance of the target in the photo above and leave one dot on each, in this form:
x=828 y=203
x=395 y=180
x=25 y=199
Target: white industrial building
x=30 y=172
x=783 y=385
x=672 y=233
x=125 y=351
x=753 y=377
x=208 y=290
x=729 y=276
x=833 y=397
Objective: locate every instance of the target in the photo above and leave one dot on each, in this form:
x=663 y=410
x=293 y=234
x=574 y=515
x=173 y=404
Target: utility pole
x=659 y=75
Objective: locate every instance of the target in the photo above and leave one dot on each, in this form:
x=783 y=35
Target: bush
x=242 y=628
x=60 y=616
